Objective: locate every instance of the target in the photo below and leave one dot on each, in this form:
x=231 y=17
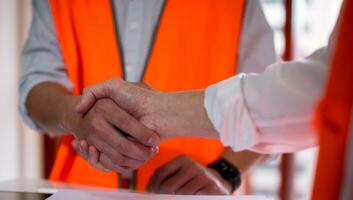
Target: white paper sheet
x=98 y=195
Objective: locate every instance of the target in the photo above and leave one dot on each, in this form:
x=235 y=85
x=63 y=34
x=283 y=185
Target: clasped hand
x=126 y=122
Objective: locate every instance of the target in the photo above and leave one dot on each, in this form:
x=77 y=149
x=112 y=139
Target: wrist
x=191 y=110
x=178 y=114
x=69 y=118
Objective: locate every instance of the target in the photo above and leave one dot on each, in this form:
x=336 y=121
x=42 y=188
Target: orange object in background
x=195 y=45
x=334 y=113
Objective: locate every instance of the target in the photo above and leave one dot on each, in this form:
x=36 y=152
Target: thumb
x=87 y=100
x=92 y=94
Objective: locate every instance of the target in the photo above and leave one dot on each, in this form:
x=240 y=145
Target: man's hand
x=169 y=114
x=123 y=142
x=185 y=176
x=89 y=153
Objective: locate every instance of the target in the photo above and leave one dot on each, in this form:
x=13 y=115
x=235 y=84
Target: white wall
x=20 y=148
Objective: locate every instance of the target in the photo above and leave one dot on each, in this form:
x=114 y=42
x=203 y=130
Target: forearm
x=191 y=118
x=51 y=106
x=243 y=160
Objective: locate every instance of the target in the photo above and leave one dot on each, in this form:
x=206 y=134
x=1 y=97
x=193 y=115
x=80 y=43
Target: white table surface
x=43 y=186
x=49 y=187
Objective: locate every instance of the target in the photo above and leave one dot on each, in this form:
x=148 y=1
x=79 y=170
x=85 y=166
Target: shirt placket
x=132 y=41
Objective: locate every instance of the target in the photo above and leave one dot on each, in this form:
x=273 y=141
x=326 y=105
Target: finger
x=107 y=162
x=173 y=183
x=100 y=126
x=132 y=148
x=193 y=186
x=74 y=144
x=117 y=158
x=84 y=145
x=211 y=189
x=92 y=94
x=77 y=147
x=94 y=159
x=86 y=102
x=163 y=172
x=119 y=143
x=103 y=168
x=128 y=124
x=93 y=155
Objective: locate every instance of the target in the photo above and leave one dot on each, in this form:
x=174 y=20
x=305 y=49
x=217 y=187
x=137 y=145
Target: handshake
x=123 y=123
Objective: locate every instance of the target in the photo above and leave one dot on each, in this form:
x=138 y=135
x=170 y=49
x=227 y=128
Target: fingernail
x=79 y=149
x=74 y=143
x=83 y=145
x=155 y=150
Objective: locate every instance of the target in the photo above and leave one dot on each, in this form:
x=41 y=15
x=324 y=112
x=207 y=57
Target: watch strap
x=228 y=171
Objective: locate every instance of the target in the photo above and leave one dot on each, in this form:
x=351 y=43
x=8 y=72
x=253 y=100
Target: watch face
x=23 y=196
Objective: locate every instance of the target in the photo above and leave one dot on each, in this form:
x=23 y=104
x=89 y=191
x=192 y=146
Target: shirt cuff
x=226 y=108
x=26 y=87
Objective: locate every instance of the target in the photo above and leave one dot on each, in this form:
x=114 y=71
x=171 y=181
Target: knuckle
x=99 y=107
x=148 y=123
x=121 y=146
x=110 y=83
x=86 y=89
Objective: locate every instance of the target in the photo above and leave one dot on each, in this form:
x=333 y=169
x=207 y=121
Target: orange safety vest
x=195 y=45
x=334 y=112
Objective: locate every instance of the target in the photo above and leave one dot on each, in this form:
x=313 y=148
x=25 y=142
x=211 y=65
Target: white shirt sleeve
x=269 y=112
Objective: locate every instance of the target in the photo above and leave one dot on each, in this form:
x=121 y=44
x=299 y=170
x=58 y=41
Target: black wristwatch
x=228 y=171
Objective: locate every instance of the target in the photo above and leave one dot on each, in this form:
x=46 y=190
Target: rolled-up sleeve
x=269 y=112
x=41 y=58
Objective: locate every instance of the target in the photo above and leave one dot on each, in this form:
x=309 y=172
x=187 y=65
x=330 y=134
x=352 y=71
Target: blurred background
x=25 y=154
